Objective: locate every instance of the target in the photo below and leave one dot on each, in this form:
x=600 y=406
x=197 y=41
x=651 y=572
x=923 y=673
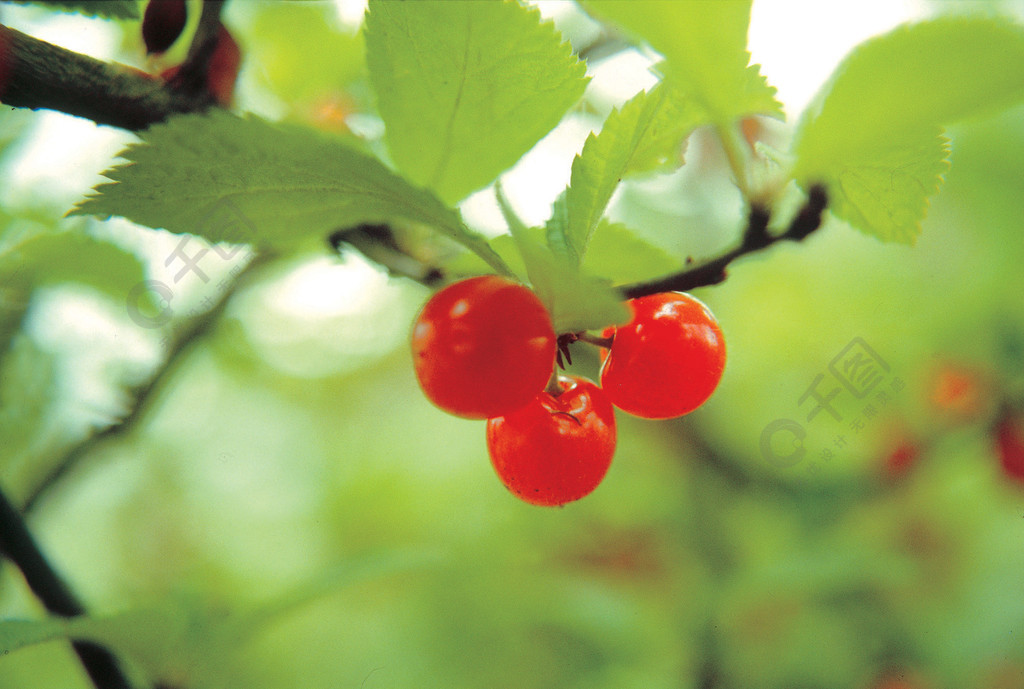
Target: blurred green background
x=287 y=510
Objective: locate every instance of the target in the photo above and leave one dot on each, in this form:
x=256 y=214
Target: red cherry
x=1010 y=445
x=667 y=360
x=162 y=24
x=901 y=459
x=483 y=347
x=555 y=449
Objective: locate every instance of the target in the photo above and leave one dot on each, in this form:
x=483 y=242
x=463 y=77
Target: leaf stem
x=736 y=152
x=18 y=545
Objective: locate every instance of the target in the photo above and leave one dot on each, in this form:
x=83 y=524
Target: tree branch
x=197 y=328
x=45 y=76
x=755 y=238
x=18 y=544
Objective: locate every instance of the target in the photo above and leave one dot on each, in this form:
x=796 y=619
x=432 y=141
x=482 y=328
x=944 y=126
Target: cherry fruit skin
x=667 y=360
x=483 y=347
x=555 y=449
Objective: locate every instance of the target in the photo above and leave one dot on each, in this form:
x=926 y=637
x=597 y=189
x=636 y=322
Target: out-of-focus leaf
x=617 y=254
x=705 y=45
x=872 y=133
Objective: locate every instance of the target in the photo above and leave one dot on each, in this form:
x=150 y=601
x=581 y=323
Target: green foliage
x=247 y=478
x=705 y=45
x=274 y=186
x=575 y=300
x=618 y=254
x=28 y=382
x=115 y=9
x=466 y=88
x=15 y=634
x=872 y=134
x=644 y=135
x=302 y=53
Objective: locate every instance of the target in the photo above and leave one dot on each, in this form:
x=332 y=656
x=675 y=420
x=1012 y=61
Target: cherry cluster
x=485 y=348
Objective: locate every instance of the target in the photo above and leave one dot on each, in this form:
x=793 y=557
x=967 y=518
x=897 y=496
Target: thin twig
x=144 y=396
x=755 y=238
x=18 y=544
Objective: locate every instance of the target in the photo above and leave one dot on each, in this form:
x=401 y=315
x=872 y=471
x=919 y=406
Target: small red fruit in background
x=901 y=458
x=1009 y=437
x=667 y=360
x=162 y=24
x=958 y=392
x=555 y=449
x=483 y=347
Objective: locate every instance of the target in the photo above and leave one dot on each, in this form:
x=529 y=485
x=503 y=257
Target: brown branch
x=755 y=238
x=38 y=75
x=45 y=76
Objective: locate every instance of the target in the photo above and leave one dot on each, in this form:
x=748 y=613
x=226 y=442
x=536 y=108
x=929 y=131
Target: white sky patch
x=61 y=161
x=798 y=43
x=327 y=288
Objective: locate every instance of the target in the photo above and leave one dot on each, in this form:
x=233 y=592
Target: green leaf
x=28 y=388
x=15 y=634
x=644 y=135
x=885 y=192
x=575 y=300
x=468 y=263
x=465 y=88
x=71 y=256
x=705 y=45
x=245 y=180
x=872 y=129
x=116 y=9
x=619 y=255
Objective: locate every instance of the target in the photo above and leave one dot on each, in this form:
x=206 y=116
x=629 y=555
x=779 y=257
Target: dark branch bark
x=45 y=76
x=755 y=238
x=18 y=544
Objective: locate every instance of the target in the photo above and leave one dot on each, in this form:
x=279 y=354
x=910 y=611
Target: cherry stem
x=553 y=387
x=595 y=340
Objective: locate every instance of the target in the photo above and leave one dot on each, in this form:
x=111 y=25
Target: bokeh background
x=287 y=510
